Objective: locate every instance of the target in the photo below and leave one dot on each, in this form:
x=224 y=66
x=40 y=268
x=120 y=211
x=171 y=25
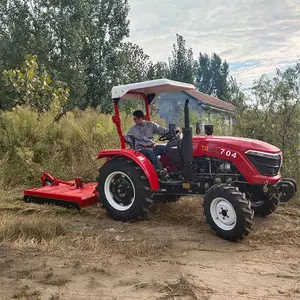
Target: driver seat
x=132 y=146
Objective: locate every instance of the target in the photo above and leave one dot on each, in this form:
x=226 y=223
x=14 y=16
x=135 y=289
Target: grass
x=69 y=232
x=27 y=222
x=180 y=288
x=37 y=229
x=51 y=228
x=75 y=140
x=26 y=294
x=54 y=297
x=55 y=281
x=277 y=230
x=86 y=236
x=186 y=211
x=31 y=143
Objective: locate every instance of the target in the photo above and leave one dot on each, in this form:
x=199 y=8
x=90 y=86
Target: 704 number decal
x=225 y=152
x=228 y=153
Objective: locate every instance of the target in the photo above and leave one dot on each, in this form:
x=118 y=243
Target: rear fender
x=139 y=159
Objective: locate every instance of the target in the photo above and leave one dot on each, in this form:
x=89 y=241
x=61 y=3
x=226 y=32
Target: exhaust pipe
x=187 y=143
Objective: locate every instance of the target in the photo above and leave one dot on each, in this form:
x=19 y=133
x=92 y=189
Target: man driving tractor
x=140 y=136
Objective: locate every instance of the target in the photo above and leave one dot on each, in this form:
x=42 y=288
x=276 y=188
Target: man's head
x=138 y=117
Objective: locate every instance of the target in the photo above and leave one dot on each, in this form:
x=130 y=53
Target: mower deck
x=64 y=193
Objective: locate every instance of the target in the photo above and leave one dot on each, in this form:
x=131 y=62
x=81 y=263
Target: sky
x=254 y=36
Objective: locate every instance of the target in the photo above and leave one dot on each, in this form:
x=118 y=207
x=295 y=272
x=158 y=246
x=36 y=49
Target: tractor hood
x=235 y=143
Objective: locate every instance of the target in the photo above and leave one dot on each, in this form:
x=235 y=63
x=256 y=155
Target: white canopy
x=156 y=86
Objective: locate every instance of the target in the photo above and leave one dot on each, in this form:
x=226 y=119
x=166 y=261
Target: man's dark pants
x=152 y=153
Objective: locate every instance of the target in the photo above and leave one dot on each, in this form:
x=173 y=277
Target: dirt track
x=170 y=255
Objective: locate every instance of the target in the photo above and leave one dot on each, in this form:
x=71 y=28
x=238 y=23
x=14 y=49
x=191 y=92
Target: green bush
x=32 y=142
x=215 y=119
x=273 y=129
x=274 y=116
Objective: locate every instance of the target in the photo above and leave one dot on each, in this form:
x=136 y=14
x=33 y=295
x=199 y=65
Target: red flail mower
x=237 y=177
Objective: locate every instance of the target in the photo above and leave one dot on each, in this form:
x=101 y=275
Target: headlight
x=264 y=154
x=267 y=164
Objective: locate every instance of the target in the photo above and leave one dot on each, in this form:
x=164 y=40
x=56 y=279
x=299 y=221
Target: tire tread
x=143 y=201
x=244 y=212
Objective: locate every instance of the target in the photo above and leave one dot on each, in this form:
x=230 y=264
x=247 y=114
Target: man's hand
x=177 y=130
x=153 y=145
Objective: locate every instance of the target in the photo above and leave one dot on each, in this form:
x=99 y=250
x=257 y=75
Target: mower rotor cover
x=74 y=193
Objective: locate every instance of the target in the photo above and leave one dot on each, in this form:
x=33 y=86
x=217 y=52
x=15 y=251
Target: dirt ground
x=53 y=253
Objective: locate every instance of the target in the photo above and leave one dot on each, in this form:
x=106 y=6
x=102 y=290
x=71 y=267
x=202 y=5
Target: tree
x=107 y=26
x=274 y=115
x=35 y=88
x=14 y=41
x=182 y=64
x=74 y=40
x=158 y=70
x=204 y=75
x=235 y=95
x=132 y=65
x=212 y=76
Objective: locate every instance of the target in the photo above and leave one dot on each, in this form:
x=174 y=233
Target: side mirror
x=198 y=130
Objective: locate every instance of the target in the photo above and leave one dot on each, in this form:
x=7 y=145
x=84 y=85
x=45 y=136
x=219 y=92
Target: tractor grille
x=266 y=164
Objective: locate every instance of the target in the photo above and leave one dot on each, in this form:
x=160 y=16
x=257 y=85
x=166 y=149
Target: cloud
x=254 y=36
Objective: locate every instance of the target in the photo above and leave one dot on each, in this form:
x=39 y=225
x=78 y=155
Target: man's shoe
x=163 y=174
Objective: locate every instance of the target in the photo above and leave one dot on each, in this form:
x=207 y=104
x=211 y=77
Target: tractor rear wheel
x=124 y=190
x=227 y=212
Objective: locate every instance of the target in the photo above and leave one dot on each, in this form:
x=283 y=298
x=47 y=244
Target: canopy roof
x=156 y=87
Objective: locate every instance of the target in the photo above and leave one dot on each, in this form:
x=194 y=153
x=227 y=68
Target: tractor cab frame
x=146 y=91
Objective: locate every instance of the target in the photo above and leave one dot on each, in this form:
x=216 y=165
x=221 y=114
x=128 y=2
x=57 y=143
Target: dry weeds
x=37 y=228
x=187 y=212
x=26 y=294
x=48 y=229
x=105 y=244
x=180 y=288
x=55 y=229
x=172 y=289
x=54 y=280
x=54 y=297
x=72 y=236
x=283 y=227
x=51 y=228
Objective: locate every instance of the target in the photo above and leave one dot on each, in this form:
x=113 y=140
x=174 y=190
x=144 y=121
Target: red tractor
x=238 y=177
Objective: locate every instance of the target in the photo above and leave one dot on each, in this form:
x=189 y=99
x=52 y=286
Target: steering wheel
x=166 y=136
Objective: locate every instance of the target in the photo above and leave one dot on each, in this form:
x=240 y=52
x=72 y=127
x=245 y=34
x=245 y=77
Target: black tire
x=294 y=183
x=263 y=205
x=165 y=198
x=135 y=182
x=236 y=208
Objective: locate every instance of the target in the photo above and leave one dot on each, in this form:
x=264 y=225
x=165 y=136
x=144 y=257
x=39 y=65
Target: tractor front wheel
x=124 y=190
x=262 y=204
x=227 y=212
